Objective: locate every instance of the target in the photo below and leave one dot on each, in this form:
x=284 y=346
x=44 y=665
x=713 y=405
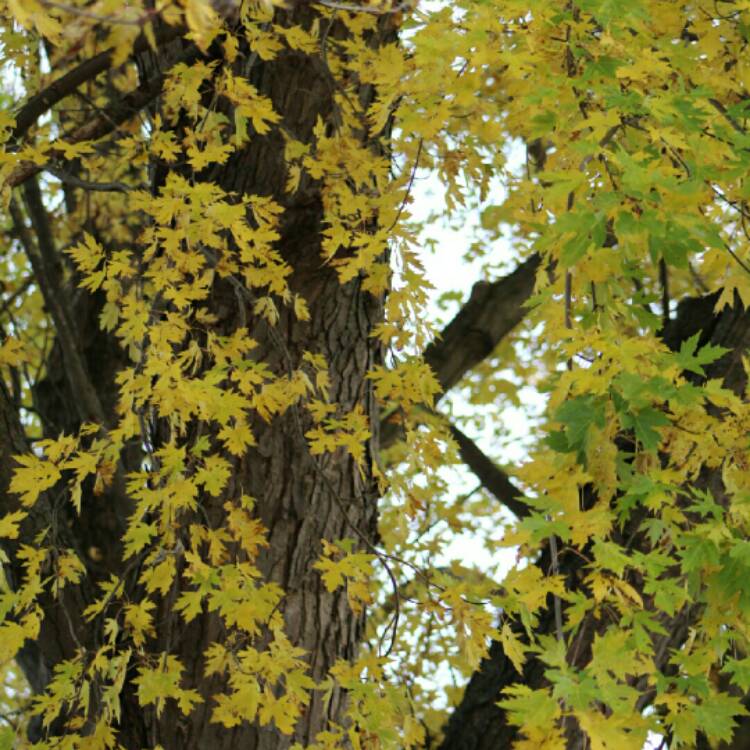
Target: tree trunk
x=300 y=499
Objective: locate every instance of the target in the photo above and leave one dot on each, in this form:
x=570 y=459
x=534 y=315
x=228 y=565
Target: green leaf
x=698 y=552
x=740 y=671
x=577 y=690
x=579 y=415
x=529 y=707
x=611 y=556
x=716 y=716
x=644 y=422
x=741 y=551
x=691 y=360
x=543 y=528
x=558 y=441
x=574 y=249
x=7 y=738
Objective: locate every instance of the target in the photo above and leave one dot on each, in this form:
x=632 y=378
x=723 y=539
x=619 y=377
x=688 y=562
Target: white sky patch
x=451 y=267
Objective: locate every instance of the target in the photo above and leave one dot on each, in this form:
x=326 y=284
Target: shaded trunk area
x=300 y=499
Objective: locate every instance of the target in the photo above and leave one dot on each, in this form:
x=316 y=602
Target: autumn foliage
x=234 y=440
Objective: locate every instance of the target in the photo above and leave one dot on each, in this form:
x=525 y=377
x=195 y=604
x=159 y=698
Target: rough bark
x=300 y=499
x=300 y=502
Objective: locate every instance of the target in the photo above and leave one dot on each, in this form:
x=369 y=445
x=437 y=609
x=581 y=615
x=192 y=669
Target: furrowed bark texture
x=301 y=503
x=299 y=498
x=296 y=505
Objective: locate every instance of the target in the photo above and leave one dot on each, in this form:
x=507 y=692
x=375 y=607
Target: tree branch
x=13 y=441
x=105 y=123
x=478 y=723
x=44 y=260
x=96 y=187
x=491 y=312
x=89 y=69
x=492 y=477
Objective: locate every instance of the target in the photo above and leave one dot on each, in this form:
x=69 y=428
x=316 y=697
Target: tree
x=224 y=508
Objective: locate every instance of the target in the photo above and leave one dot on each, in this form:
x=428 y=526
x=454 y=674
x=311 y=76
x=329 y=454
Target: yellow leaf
x=13 y=353
x=512 y=647
x=203 y=22
x=9 y=524
x=139 y=620
x=190 y=604
x=33 y=477
x=214 y=474
x=161 y=576
x=237 y=438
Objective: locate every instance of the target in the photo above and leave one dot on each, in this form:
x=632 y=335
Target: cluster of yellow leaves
x=340 y=566
x=350 y=432
x=254 y=680
x=157 y=259
x=162 y=682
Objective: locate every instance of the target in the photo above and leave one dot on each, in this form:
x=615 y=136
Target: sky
x=448 y=271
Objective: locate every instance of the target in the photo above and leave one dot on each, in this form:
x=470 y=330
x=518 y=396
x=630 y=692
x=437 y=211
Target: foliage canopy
x=225 y=513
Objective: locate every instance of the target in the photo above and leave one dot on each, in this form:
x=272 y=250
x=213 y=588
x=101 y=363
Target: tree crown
x=218 y=371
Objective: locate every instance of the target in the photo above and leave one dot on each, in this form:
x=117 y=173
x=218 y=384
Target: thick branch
x=44 y=261
x=492 y=311
x=89 y=69
x=492 y=477
x=106 y=122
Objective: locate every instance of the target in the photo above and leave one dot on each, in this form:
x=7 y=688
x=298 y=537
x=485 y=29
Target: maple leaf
x=253 y=214
x=691 y=359
x=10 y=522
x=33 y=477
x=13 y=353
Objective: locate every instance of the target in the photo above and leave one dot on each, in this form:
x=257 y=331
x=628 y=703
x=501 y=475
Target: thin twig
x=86 y=71
x=18 y=293
x=99 y=187
x=721 y=109
x=110 y=18
x=97 y=128
x=664 y=281
x=408 y=187
x=350 y=8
